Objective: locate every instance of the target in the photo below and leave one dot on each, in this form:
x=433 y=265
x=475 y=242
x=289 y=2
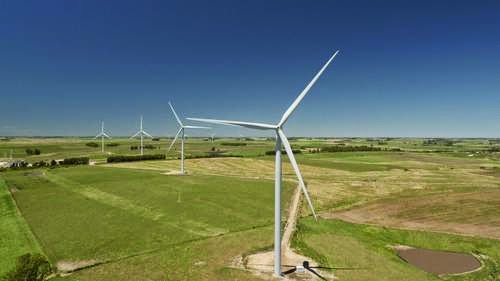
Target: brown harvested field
x=470 y=213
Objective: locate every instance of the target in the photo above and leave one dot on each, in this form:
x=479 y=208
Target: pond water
x=440 y=262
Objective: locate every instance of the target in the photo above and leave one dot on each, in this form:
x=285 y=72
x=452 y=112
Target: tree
x=29 y=267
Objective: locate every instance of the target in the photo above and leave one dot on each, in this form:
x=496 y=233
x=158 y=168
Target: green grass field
x=92 y=213
x=15 y=236
x=130 y=221
x=362 y=252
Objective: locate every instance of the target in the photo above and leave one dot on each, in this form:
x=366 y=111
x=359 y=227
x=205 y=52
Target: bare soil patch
x=262 y=264
x=440 y=262
x=71 y=266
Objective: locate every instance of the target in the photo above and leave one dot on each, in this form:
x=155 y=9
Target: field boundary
x=165 y=247
x=334 y=217
x=34 y=243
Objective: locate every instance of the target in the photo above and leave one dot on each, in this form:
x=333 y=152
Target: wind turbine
x=181 y=130
x=141 y=133
x=103 y=135
x=281 y=139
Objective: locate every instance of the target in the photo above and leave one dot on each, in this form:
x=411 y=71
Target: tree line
x=133 y=158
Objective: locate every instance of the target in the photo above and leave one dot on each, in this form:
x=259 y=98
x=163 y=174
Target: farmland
x=135 y=221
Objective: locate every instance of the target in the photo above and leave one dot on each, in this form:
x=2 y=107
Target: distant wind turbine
x=141 y=133
x=102 y=135
x=281 y=139
x=181 y=130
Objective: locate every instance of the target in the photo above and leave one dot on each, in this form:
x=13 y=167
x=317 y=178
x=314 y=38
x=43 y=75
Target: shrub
x=40 y=164
x=19 y=165
x=233 y=143
x=113 y=144
x=133 y=158
x=92 y=144
x=34 y=151
x=156 y=139
x=444 y=142
x=76 y=161
x=29 y=267
x=53 y=162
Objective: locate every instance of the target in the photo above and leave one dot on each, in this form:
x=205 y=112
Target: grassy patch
x=361 y=252
x=94 y=213
x=15 y=236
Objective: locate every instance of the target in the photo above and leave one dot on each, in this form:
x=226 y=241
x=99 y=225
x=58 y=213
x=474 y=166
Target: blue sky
x=406 y=68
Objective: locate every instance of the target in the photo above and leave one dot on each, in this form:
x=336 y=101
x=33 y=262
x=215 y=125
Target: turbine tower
x=181 y=130
x=281 y=140
x=102 y=135
x=141 y=133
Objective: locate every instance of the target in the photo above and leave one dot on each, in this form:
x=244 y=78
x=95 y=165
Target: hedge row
x=210 y=155
x=92 y=144
x=147 y=146
x=132 y=158
x=21 y=165
x=76 y=161
x=349 y=148
x=34 y=151
x=272 y=152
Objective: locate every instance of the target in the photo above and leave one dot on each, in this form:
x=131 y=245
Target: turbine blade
x=197 y=127
x=175 y=114
x=304 y=92
x=289 y=152
x=136 y=134
x=175 y=139
x=258 y=126
x=106 y=135
x=146 y=134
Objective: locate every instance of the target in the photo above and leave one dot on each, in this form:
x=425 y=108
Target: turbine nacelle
x=102 y=133
x=181 y=131
x=141 y=131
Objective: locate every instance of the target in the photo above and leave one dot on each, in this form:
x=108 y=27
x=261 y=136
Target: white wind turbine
x=181 y=130
x=141 y=133
x=281 y=139
x=102 y=135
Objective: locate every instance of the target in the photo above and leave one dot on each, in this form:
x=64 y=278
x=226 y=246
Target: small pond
x=439 y=262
